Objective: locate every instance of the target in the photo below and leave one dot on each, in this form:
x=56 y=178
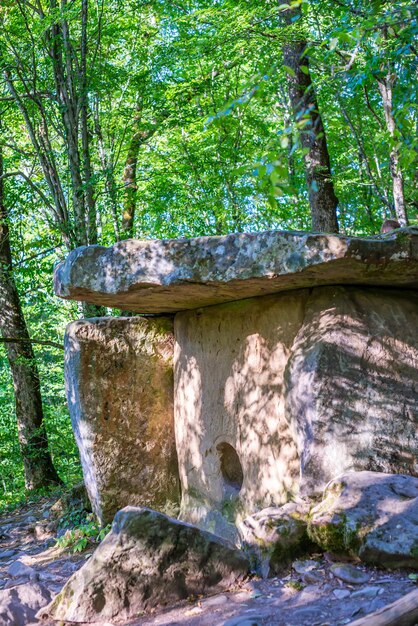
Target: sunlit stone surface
x=303 y=385
x=275 y=394
x=173 y=275
x=119 y=382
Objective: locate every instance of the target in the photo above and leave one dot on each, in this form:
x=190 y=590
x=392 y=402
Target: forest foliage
x=123 y=118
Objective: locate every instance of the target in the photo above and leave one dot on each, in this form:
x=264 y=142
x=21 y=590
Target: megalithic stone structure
x=119 y=384
x=295 y=359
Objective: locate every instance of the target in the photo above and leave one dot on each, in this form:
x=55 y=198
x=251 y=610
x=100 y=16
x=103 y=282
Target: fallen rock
x=177 y=274
x=119 y=383
x=349 y=574
x=274 y=536
x=370 y=515
x=6 y=554
x=148 y=560
x=75 y=499
x=303 y=567
x=19 y=604
x=19 y=570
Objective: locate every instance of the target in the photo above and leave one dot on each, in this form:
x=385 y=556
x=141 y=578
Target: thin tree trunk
x=322 y=198
x=39 y=469
x=386 y=91
x=85 y=135
x=129 y=183
x=139 y=137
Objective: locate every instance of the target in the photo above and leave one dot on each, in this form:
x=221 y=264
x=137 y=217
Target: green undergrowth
x=85 y=534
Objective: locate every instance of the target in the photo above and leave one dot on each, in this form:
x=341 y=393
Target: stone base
x=119 y=382
x=280 y=394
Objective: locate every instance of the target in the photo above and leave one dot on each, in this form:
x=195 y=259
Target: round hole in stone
x=231 y=467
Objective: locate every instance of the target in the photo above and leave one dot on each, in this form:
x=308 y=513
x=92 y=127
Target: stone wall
x=229 y=368
x=282 y=393
x=119 y=383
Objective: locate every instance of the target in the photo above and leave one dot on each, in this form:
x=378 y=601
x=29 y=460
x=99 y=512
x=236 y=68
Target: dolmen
x=261 y=366
x=265 y=395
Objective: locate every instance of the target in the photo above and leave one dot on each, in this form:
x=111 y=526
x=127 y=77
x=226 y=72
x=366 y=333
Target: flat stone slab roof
x=166 y=276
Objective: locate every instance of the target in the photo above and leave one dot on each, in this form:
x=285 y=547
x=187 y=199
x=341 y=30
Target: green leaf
x=289 y=70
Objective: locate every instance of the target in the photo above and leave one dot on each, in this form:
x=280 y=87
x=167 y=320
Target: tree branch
x=52 y=344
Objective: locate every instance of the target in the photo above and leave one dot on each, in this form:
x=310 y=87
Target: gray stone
x=119 y=382
x=367 y=592
x=6 y=554
x=18 y=569
x=274 y=536
x=148 y=560
x=340 y=594
x=311 y=578
x=214 y=601
x=370 y=515
x=303 y=567
x=76 y=498
x=351 y=384
x=19 y=604
x=173 y=275
x=350 y=574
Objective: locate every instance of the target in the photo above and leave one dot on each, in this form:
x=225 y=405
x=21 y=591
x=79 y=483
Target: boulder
x=177 y=274
x=18 y=569
x=75 y=499
x=370 y=515
x=275 y=536
x=148 y=560
x=351 y=384
x=19 y=605
x=119 y=383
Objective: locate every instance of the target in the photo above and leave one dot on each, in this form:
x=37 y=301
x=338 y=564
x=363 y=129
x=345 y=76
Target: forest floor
x=307 y=592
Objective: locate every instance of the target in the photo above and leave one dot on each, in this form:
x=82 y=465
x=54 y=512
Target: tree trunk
x=386 y=87
x=39 y=469
x=140 y=136
x=322 y=198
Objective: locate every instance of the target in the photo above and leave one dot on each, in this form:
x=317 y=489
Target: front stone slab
x=280 y=394
x=236 y=451
x=178 y=274
x=119 y=382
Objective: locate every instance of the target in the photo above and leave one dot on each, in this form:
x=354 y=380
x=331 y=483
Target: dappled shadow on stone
x=303 y=386
x=352 y=384
x=229 y=365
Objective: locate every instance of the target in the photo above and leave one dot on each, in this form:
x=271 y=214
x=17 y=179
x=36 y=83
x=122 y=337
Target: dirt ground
x=307 y=593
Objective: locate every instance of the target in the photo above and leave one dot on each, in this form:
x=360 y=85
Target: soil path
x=307 y=593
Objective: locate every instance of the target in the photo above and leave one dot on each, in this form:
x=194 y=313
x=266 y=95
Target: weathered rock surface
x=76 y=498
x=119 y=382
x=370 y=515
x=285 y=392
x=173 y=275
x=148 y=560
x=351 y=384
x=274 y=536
x=19 y=605
x=235 y=447
x=19 y=570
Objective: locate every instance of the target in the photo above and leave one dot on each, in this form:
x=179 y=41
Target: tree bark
x=386 y=91
x=140 y=136
x=39 y=469
x=322 y=198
